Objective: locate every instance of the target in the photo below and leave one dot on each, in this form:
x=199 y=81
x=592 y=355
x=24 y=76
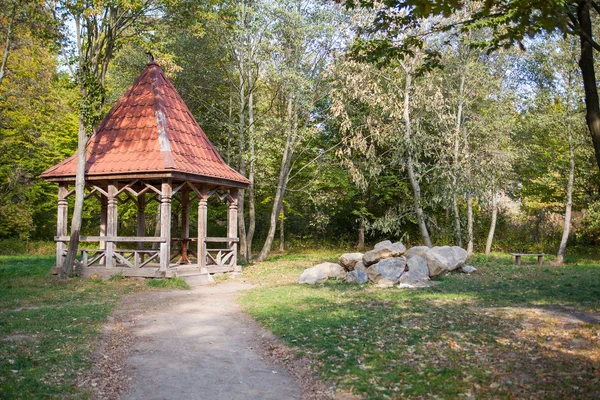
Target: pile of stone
x=390 y=263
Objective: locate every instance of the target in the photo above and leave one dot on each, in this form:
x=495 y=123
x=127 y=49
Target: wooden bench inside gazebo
x=150 y=148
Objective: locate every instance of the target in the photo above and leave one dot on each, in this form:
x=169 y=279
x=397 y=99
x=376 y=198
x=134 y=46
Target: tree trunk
x=284 y=171
x=361 y=235
x=470 y=224
x=242 y=165
x=7 y=45
x=69 y=261
x=251 y=174
x=586 y=64
x=282 y=230
x=414 y=183
x=490 y=238
x=560 y=257
x=455 y=183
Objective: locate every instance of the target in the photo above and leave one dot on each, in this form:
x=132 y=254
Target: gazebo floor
x=149 y=271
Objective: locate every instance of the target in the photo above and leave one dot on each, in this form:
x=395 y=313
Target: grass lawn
x=47 y=326
x=505 y=332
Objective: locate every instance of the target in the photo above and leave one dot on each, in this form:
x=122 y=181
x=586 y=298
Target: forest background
x=450 y=142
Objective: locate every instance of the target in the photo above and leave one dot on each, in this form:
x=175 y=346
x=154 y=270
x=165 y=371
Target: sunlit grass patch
x=455 y=339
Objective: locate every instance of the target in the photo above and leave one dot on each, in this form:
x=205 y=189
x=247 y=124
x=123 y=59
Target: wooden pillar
x=103 y=216
x=111 y=223
x=165 y=224
x=61 y=221
x=232 y=222
x=185 y=224
x=202 y=225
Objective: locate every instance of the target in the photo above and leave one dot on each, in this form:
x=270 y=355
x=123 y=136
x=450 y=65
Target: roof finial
x=150 y=57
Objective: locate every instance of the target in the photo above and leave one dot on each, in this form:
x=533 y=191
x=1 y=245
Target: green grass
x=469 y=336
x=169 y=283
x=47 y=327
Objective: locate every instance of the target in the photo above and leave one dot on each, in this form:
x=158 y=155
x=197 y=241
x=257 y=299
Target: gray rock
x=416 y=270
x=389 y=268
x=382 y=244
x=436 y=263
x=360 y=266
x=382 y=252
x=455 y=255
x=357 y=276
x=321 y=272
x=468 y=269
x=349 y=260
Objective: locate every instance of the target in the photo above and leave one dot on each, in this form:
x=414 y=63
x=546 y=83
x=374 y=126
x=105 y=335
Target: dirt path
x=194 y=345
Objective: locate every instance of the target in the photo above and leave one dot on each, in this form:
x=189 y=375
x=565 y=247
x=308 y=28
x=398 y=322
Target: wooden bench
x=518 y=256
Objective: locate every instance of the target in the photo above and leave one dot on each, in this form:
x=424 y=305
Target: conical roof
x=149 y=130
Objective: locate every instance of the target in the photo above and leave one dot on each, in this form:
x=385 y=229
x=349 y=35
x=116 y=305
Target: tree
x=304 y=35
x=100 y=30
x=510 y=22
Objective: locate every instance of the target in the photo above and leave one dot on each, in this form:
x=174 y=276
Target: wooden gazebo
x=150 y=148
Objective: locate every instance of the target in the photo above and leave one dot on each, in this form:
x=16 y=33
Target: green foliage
x=169 y=283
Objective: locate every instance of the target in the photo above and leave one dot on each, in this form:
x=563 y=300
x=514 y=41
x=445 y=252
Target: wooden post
x=111 y=223
x=518 y=259
x=202 y=225
x=540 y=259
x=232 y=223
x=61 y=222
x=185 y=224
x=165 y=224
x=103 y=216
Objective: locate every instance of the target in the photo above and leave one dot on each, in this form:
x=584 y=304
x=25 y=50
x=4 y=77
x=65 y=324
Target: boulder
x=436 y=263
x=389 y=268
x=360 y=266
x=455 y=255
x=356 y=276
x=349 y=260
x=321 y=272
x=468 y=269
x=382 y=252
x=382 y=244
x=416 y=270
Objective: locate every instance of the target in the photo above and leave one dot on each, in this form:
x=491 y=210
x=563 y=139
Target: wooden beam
x=165 y=224
x=116 y=239
x=203 y=180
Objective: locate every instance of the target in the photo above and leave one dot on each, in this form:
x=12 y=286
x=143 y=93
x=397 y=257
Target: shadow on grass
x=403 y=343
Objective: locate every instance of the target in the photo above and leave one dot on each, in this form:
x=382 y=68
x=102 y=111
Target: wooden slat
x=116 y=239
x=152 y=257
x=221 y=240
x=124 y=260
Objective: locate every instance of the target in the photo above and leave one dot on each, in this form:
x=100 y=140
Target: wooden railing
x=223 y=258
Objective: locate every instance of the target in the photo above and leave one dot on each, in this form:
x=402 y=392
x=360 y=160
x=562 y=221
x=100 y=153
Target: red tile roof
x=150 y=129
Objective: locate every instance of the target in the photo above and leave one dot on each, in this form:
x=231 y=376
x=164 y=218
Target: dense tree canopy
x=356 y=121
